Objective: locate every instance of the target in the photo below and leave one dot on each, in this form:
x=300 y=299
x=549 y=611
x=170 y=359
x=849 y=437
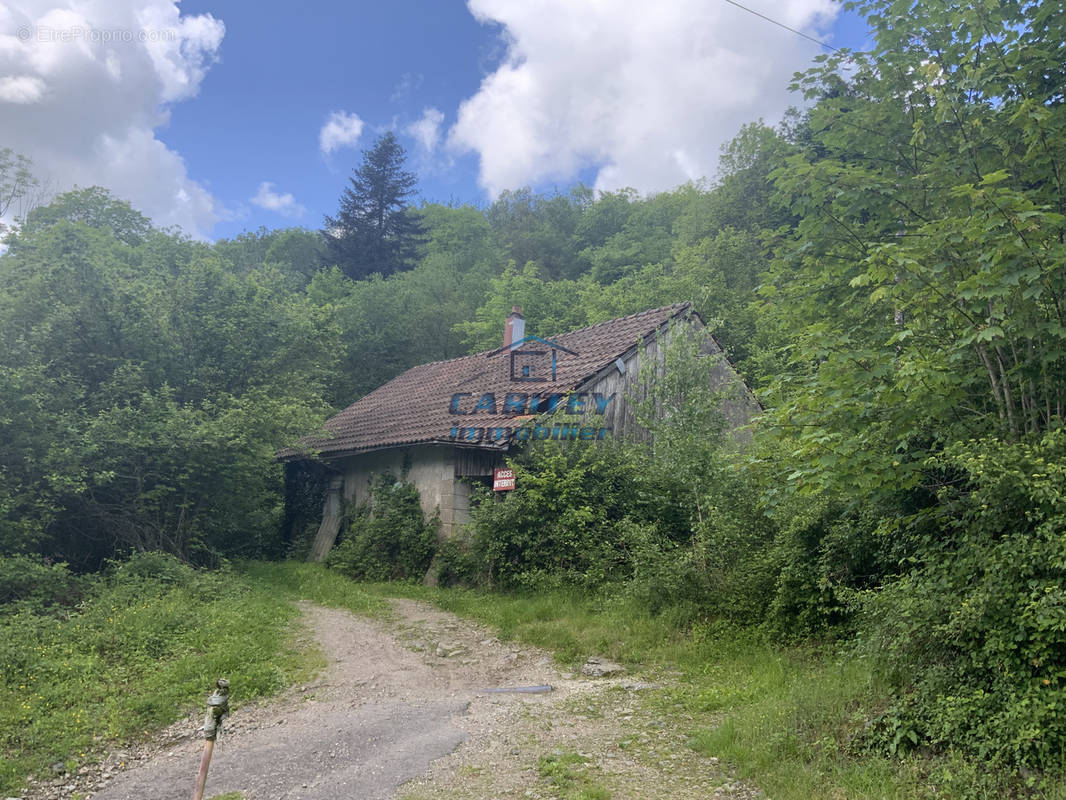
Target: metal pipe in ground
x=217 y=708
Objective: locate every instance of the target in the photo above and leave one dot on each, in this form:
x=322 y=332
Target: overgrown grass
x=570 y=624
x=297 y=580
x=148 y=641
x=143 y=648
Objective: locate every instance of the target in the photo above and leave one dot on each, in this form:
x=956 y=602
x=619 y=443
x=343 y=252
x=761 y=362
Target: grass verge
x=567 y=774
x=298 y=580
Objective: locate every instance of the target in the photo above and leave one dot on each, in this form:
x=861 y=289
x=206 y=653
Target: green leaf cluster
x=389 y=539
x=146 y=384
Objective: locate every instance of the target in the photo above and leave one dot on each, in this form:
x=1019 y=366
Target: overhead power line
x=780 y=24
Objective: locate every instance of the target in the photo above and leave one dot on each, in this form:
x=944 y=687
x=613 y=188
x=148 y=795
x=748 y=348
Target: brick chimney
x=514 y=330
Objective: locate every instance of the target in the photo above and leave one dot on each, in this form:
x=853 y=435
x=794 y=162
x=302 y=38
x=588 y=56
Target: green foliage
x=142 y=648
x=974 y=639
x=567 y=518
x=825 y=555
x=146 y=386
x=533 y=229
x=94 y=207
x=919 y=312
x=924 y=289
x=671 y=523
x=297 y=253
x=389 y=324
x=694 y=458
x=390 y=539
x=17 y=185
x=33 y=584
x=548 y=306
x=456 y=563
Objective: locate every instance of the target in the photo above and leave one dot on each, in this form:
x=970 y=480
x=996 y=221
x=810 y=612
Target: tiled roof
x=413 y=408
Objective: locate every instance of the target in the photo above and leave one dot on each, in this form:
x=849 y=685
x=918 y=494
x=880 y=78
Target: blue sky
x=216 y=116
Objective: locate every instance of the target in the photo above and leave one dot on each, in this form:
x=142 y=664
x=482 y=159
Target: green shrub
x=732 y=550
x=155 y=567
x=455 y=561
x=567 y=517
x=974 y=639
x=826 y=555
x=30 y=582
x=391 y=539
x=662 y=574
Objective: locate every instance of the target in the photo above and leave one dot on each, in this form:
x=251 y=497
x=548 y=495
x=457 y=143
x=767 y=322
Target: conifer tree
x=375 y=230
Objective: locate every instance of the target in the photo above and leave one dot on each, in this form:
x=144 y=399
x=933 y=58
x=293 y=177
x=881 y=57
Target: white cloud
x=85 y=83
x=284 y=204
x=645 y=93
x=427 y=130
x=20 y=89
x=341 y=130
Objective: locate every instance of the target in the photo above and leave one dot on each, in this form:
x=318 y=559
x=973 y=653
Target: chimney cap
x=516 y=311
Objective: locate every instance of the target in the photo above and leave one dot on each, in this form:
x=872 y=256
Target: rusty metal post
x=217 y=708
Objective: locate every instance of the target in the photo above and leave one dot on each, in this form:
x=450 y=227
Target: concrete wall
x=430 y=468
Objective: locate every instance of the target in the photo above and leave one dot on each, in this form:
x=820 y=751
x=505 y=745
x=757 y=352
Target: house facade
x=447 y=424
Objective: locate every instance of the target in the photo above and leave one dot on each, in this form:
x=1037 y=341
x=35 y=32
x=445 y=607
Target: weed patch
x=297 y=580
x=568 y=774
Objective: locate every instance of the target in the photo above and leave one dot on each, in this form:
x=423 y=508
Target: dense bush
x=974 y=639
x=825 y=554
x=616 y=517
x=390 y=539
x=31 y=583
x=568 y=518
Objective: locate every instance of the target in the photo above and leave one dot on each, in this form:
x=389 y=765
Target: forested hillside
x=886 y=269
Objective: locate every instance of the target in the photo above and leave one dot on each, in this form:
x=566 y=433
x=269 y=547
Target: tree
x=144 y=386
x=298 y=252
x=925 y=291
x=18 y=185
x=375 y=230
x=97 y=208
x=538 y=228
x=924 y=301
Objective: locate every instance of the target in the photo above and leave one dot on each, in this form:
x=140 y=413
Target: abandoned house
x=446 y=424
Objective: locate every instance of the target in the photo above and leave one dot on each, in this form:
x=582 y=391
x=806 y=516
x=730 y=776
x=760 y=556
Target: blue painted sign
x=525 y=433
x=524 y=404
x=519 y=403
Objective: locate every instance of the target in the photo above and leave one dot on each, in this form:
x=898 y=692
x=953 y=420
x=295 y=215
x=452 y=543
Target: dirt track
x=402 y=711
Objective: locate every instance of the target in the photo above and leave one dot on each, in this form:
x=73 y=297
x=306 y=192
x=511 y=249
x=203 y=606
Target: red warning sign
x=502 y=480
